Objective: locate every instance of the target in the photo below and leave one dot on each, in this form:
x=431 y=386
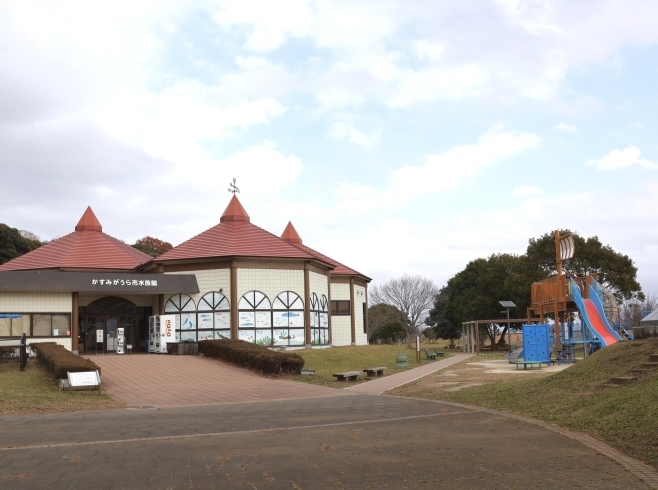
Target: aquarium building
x=234 y=280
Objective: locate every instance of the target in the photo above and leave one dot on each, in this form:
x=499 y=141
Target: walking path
x=378 y=386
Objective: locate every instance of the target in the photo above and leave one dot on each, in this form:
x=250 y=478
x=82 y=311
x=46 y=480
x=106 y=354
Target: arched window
x=184 y=308
x=288 y=319
x=319 y=320
x=214 y=317
x=255 y=318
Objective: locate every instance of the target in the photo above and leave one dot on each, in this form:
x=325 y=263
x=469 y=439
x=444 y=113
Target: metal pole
x=509 y=331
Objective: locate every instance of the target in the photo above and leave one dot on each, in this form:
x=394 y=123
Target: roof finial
x=233 y=188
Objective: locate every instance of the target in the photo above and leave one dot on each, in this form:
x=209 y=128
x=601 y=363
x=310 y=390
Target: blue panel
x=535 y=343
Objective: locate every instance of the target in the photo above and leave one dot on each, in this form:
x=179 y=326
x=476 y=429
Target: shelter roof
x=651 y=320
x=235 y=235
x=86 y=248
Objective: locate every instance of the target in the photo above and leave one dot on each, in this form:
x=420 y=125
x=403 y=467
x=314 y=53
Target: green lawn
x=32 y=391
x=325 y=362
x=625 y=417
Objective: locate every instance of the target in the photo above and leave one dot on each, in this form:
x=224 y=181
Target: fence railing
x=11 y=349
x=549 y=291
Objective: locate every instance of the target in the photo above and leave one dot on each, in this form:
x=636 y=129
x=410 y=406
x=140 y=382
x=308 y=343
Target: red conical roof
x=290 y=234
x=86 y=248
x=234 y=211
x=89 y=221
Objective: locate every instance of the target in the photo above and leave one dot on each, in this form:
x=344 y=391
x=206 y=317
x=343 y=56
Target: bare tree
x=412 y=295
x=29 y=235
x=632 y=311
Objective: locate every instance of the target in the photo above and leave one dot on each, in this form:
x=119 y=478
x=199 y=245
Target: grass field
x=325 y=362
x=625 y=417
x=31 y=391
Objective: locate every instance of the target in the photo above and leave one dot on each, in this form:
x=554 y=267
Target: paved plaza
x=220 y=427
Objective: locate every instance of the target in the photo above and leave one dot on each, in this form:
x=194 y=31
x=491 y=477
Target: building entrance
x=107 y=315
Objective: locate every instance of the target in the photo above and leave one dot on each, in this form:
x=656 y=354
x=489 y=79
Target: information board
x=85 y=379
x=99 y=336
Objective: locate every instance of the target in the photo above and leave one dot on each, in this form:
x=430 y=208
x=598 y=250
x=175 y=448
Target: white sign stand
x=99 y=340
x=87 y=380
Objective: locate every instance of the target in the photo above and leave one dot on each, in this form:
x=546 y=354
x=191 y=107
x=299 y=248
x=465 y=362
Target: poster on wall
x=188 y=321
x=281 y=336
x=295 y=318
x=187 y=335
x=205 y=320
x=324 y=320
x=222 y=319
x=296 y=336
x=168 y=328
x=280 y=319
x=222 y=334
x=247 y=335
x=263 y=319
x=205 y=335
x=246 y=319
x=264 y=337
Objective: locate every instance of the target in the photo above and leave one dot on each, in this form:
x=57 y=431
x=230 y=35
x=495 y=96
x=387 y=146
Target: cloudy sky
x=398 y=136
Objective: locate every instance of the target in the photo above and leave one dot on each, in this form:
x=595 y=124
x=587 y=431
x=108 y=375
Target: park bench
x=527 y=363
x=375 y=372
x=347 y=376
x=430 y=357
x=438 y=353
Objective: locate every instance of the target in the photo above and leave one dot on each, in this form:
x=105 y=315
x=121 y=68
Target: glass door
x=94 y=323
x=111 y=333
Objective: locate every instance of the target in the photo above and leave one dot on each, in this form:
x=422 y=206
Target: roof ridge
x=129 y=250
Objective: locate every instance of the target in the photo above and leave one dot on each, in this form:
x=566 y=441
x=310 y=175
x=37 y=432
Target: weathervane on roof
x=233 y=188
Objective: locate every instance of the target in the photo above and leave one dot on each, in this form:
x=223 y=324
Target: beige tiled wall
x=14 y=302
x=208 y=281
x=138 y=299
x=340 y=291
x=359 y=300
x=270 y=282
x=341 y=331
x=318 y=284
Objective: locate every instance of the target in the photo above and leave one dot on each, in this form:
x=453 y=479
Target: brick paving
x=379 y=386
x=176 y=381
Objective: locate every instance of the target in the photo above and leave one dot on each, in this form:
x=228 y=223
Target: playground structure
x=561 y=297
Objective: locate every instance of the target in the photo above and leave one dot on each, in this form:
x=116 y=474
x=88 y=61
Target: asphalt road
x=344 y=442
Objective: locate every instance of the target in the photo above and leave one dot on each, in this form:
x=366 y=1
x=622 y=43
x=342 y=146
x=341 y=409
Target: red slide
x=597 y=323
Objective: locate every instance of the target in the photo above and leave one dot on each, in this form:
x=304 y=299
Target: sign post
x=99 y=340
x=417 y=349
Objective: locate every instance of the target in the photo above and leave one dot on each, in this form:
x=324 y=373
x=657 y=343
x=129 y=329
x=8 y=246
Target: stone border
x=644 y=472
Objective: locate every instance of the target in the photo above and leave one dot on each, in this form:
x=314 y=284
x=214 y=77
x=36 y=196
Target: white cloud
x=563 y=127
x=341 y=131
x=625 y=158
x=526 y=190
x=426 y=50
x=448 y=170
x=638 y=125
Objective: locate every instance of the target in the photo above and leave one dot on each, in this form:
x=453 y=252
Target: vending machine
x=152 y=322
x=121 y=340
x=164 y=331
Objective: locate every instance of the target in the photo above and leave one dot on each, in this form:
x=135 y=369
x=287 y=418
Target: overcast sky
x=408 y=136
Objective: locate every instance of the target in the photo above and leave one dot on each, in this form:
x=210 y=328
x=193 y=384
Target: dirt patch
x=475 y=371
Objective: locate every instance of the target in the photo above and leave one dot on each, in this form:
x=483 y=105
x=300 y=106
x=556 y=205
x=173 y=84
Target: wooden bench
x=430 y=357
x=375 y=372
x=347 y=376
x=528 y=363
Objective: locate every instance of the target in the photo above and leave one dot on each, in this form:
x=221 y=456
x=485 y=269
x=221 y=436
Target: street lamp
x=507 y=305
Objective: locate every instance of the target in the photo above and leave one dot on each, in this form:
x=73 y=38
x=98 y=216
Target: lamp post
x=507 y=305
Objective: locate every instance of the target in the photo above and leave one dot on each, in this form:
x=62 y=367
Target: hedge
x=252 y=356
x=59 y=361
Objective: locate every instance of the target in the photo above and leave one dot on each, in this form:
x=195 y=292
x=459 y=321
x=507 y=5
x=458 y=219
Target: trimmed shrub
x=248 y=355
x=59 y=361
